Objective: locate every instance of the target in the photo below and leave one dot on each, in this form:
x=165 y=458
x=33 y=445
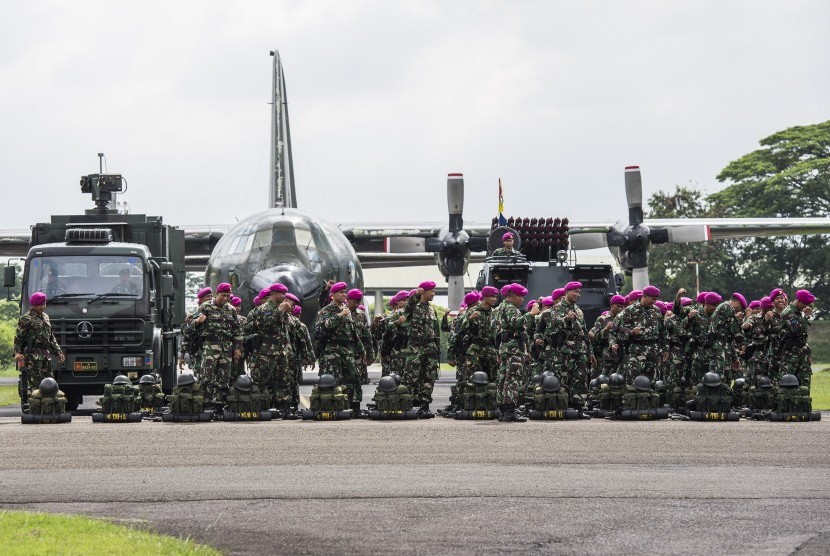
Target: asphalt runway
x=438 y=486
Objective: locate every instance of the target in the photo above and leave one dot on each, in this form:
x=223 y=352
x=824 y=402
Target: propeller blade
x=639 y=277
x=455 y=201
x=634 y=194
x=589 y=241
x=689 y=234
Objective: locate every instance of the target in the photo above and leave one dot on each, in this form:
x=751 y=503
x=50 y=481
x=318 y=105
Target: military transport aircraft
x=283 y=244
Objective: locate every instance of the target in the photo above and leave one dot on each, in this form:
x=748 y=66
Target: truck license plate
x=85 y=366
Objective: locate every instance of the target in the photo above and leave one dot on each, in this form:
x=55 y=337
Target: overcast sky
x=386 y=98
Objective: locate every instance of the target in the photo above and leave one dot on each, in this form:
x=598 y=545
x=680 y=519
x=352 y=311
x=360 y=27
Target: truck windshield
x=81 y=275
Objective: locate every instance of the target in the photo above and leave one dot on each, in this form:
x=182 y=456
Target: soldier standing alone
x=34 y=342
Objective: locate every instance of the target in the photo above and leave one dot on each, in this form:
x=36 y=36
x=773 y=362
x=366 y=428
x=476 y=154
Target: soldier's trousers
x=215 y=373
x=572 y=370
x=756 y=367
x=642 y=361
x=397 y=361
x=510 y=375
x=476 y=359
x=793 y=363
x=420 y=373
x=343 y=366
x=37 y=368
x=272 y=370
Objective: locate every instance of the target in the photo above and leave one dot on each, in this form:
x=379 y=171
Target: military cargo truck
x=115 y=292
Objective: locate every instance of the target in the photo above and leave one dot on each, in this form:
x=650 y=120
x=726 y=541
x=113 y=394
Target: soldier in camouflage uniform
x=34 y=342
x=698 y=350
x=239 y=364
x=774 y=325
x=270 y=363
x=391 y=342
x=572 y=352
x=795 y=325
x=361 y=319
x=423 y=348
x=506 y=250
x=457 y=347
x=599 y=335
x=726 y=337
x=544 y=335
x=756 y=337
x=191 y=335
x=340 y=348
x=512 y=341
x=221 y=345
x=641 y=327
x=302 y=354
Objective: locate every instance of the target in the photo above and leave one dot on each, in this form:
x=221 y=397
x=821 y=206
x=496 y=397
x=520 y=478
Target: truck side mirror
x=9 y=276
x=166 y=285
x=619 y=279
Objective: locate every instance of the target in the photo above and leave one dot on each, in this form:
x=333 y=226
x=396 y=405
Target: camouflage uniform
x=697 y=328
x=774 y=327
x=504 y=252
x=377 y=329
x=239 y=364
x=301 y=355
x=795 y=353
x=422 y=350
x=570 y=358
x=725 y=337
x=645 y=350
x=340 y=347
x=512 y=340
x=479 y=339
x=394 y=340
x=221 y=335
x=756 y=335
x=607 y=362
x=676 y=368
x=35 y=340
x=270 y=364
x=192 y=341
x=361 y=320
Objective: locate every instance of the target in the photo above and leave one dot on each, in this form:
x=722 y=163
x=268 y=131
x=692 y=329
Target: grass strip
x=37 y=533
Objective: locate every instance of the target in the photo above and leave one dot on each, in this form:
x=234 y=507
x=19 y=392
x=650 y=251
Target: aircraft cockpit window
x=262 y=239
x=283 y=236
x=308 y=247
x=239 y=246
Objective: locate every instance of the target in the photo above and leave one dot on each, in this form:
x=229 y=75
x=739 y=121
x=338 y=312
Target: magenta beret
x=427 y=285
x=355 y=294
x=506 y=236
x=618 y=300
x=605 y=313
x=573 y=286
x=203 y=292
x=338 y=287
x=236 y=301
x=547 y=301
x=712 y=298
x=472 y=297
x=413 y=292
x=277 y=288
x=292 y=297
x=224 y=287
x=264 y=292
x=530 y=304
x=634 y=295
x=701 y=297
x=259 y=300
x=518 y=289
x=557 y=293
x=461 y=307
x=755 y=304
x=401 y=295
x=775 y=293
x=660 y=305
x=505 y=289
x=685 y=301
x=766 y=303
x=296 y=310
x=804 y=296
x=741 y=299
x=489 y=291
x=651 y=291
x=37 y=298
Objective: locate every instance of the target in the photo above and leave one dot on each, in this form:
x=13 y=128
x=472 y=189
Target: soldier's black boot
x=510 y=415
x=356 y=412
x=424 y=412
x=287 y=414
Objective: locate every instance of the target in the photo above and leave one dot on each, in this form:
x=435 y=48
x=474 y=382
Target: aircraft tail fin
x=282 y=192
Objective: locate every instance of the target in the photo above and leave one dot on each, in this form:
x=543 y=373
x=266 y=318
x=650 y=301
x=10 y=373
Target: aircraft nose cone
x=298 y=280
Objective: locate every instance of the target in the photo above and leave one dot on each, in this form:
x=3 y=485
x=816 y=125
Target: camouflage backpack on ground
x=329 y=399
x=150 y=396
x=610 y=399
x=397 y=400
x=119 y=398
x=713 y=399
x=480 y=397
x=794 y=399
x=186 y=399
x=550 y=401
x=40 y=404
x=253 y=401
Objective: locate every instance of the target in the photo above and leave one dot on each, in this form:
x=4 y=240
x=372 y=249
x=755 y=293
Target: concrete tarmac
x=437 y=486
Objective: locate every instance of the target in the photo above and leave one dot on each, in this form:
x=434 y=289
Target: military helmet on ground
x=594 y=384
x=243 y=383
x=764 y=382
x=551 y=384
x=48 y=386
x=147 y=379
x=479 y=377
x=121 y=379
x=397 y=378
x=536 y=380
x=616 y=380
x=185 y=379
x=739 y=385
x=547 y=373
x=387 y=384
x=327 y=381
x=602 y=379
x=789 y=381
x=660 y=386
x=712 y=380
x=642 y=383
